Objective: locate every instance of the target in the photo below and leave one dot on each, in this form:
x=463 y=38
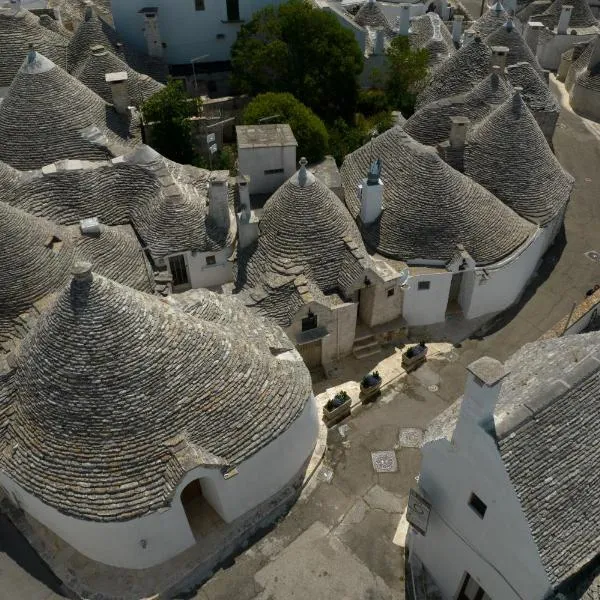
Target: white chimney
x=444 y=10
x=532 y=34
x=457 y=25
x=152 y=32
x=371 y=194
x=482 y=390
x=248 y=230
x=403 y=20
x=468 y=37
x=563 y=20
x=379 y=49
x=218 y=199
x=458 y=131
x=244 y=192
x=498 y=59
x=120 y=93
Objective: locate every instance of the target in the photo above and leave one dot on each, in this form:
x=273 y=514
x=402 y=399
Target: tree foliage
x=309 y=130
x=169 y=111
x=301 y=50
x=405 y=74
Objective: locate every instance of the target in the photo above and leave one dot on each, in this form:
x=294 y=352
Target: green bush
x=310 y=132
x=371 y=102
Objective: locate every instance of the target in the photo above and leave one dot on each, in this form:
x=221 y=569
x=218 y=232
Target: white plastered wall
x=153 y=539
x=585 y=102
x=205 y=275
x=550 y=49
x=253 y=162
x=426 y=307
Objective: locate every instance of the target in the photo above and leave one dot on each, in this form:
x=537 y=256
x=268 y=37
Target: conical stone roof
x=428 y=207
x=581 y=15
x=53 y=25
x=518 y=50
x=117 y=395
x=427 y=28
x=44 y=113
x=9 y=180
x=93 y=69
x=494 y=17
x=18 y=30
x=536 y=93
x=458 y=73
x=431 y=124
x=508 y=154
x=371 y=15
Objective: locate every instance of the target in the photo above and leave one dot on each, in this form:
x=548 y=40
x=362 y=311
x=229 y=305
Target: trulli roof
x=518 y=50
x=492 y=18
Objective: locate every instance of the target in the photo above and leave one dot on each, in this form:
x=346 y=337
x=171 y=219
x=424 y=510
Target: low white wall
x=507 y=280
x=253 y=162
x=498 y=551
x=426 y=307
x=549 y=51
x=147 y=541
x=205 y=275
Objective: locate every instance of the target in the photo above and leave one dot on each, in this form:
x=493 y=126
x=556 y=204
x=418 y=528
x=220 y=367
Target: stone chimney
x=594 y=64
x=89 y=11
x=403 y=21
x=457 y=25
x=379 y=49
x=247 y=224
x=444 y=10
x=498 y=59
x=371 y=194
x=458 y=132
x=510 y=6
x=517 y=103
x=495 y=77
x=152 y=32
x=564 y=19
x=119 y=90
x=243 y=192
x=82 y=271
x=469 y=36
x=482 y=390
x=218 y=199
x=532 y=34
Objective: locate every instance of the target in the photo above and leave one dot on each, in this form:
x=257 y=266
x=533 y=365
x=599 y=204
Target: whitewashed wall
x=585 y=102
x=254 y=161
x=167 y=533
x=498 y=550
x=426 y=307
x=549 y=51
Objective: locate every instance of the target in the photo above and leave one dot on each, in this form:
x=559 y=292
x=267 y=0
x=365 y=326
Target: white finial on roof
x=36 y=63
x=517 y=100
x=509 y=25
x=303 y=177
x=497 y=8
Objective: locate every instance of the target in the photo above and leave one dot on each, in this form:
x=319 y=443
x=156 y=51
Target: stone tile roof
x=99 y=62
x=589 y=75
x=508 y=154
x=19 y=29
x=371 y=15
x=494 y=17
x=431 y=123
x=518 y=50
x=9 y=179
x=458 y=73
x=530 y=12
x=95 y=31
x=231 y=312
x=535 y=92
x=117 y=395
x=428 y=207
x=53 y=25
x=45 y=113
x=309 y=247
x=429 y=31
x=581 y=15
x=36 y=257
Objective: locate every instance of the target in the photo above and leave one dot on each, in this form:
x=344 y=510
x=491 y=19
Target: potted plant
x=337 y=408
x=370 y=386
x=414 y=356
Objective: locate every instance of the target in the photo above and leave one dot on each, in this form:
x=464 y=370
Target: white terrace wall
x=147 y=541
x=502 y=559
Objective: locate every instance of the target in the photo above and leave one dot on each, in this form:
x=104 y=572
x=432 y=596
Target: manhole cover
x=410 y=438
x=593 y=255
x=384 y=461
x=326 y=474
x=451 y=356
x=433 y=388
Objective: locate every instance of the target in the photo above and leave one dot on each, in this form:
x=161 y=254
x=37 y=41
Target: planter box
x=369 y=393
x=410 y=364
x=331 y=417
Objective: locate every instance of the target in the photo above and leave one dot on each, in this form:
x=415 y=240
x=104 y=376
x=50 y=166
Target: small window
x=478 y=505
x=390 y=292
x=273 y=171
x=233 y=10
x=211 y=260
x=199 y=4
x=424 y=285
x=309 y=322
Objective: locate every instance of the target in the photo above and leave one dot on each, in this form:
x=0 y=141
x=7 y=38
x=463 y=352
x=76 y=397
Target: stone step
x=366 y=351
x=365 y=342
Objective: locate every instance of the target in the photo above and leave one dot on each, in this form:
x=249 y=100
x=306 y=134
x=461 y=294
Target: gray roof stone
x=9 y=179
x=518 y=51
x=589 y=75
x=45 y=113
x=458 y=73
x=494 y=17
x=57 y=27
x=428 y=31
x=581 y=15
x=371 y=15
x=116 y=395
x=536 y=93
x=428 y=207
x=508 y=154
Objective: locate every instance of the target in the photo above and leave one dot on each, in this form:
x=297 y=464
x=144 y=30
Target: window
x=471 y=590
x=233 y=10
x=478 y=505
x=309 y=322
x=178 y=270
x=390 y=292
x=199 y=4
x=54 y=243
x=211 y=260
x=273 y=171
x=424 y=285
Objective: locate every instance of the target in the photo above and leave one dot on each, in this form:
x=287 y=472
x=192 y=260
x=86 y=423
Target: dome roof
x=308 y=237
x=536 y=93
x=494 y=17
x=116 y=396
x=18 y=30
x=99 y=62
x=371 y=15
x=428 y=207
x=581 y=15
x=458 y=73
x=508 y=154
x=44 y=113
x=431 y=123
x=518 y=51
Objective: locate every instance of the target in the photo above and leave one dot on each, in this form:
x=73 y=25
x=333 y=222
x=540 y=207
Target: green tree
x=169 y=111
x=299 y=49
x=405 y=74
x=309 y=130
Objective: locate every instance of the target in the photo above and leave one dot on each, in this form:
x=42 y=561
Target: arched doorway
x=202 y=517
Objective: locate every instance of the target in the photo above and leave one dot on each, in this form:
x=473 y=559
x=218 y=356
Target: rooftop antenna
x=373 y=133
